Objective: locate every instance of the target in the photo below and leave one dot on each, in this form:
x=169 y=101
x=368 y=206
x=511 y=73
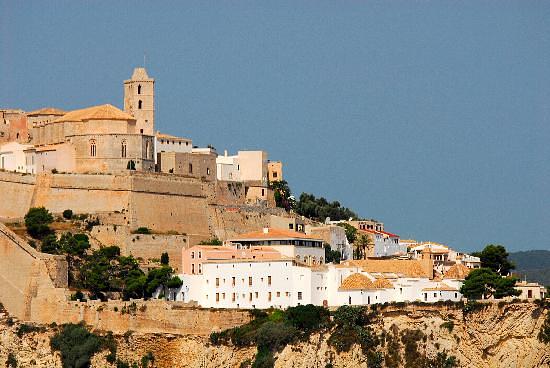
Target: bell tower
x=139 y=100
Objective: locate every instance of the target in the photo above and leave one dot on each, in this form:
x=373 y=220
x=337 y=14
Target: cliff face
x=504 y=336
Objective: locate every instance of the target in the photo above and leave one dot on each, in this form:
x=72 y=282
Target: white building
x=292 y=244
x=261 y=277
x=244 y=166
x=12 y=157
x=385 y=244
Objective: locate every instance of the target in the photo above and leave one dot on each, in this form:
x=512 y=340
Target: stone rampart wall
x=26 y=274
x=154 y=316
x=146 y=246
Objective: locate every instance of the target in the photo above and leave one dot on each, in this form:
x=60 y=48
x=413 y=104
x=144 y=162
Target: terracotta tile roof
x=407 y=268
x=101 y=112
x=458 y=272
x=383 y=283
x=274 y=234
x=441 y=286
x=47 y=111
x=168 y=136
x=357 y=281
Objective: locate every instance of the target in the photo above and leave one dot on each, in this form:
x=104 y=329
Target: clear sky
x=431 y=116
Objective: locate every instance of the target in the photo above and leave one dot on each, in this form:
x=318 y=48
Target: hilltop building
x=259 y=271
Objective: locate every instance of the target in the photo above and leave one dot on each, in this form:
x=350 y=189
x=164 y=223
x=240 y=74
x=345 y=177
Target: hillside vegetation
x=533 y=264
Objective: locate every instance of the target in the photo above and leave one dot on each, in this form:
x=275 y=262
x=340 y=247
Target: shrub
x=76 y=344
x=544 y=333
x=449 y=325
x=213 y=241
x=12 y=361
x=146 y=359
x=78 y=295
x=307 y=317
x=25 y=329
x=142 y=230
x=263 y=359
x=274 y=335
x=68 y=214
x=37 y=221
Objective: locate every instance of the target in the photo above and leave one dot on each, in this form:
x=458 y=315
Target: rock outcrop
x=498 y=335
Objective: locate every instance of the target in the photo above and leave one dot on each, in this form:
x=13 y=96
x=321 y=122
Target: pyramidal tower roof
x=140 y=74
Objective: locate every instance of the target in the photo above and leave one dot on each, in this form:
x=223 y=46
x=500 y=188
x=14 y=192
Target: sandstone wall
x=146 y=246
x=228 y=221
x=153 y=316
x=28 y=277
x=16 y=192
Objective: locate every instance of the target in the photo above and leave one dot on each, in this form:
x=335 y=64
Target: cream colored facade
x=275 y=171
x=245 y=166
x=95 y=139
x=139 y=100
x=12 y=157
x=191 y=164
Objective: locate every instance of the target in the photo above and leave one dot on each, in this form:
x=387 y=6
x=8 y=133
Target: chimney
x=266 y=230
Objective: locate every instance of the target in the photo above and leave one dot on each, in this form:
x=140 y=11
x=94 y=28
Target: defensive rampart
x=27 y=277
x=33 y=288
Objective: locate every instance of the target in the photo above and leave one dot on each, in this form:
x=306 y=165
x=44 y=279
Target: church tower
x=139 y=100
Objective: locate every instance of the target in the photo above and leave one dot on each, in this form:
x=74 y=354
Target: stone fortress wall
x=33 y=288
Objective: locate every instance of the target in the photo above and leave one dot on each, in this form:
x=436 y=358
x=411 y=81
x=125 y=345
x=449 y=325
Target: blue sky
x=432 y=116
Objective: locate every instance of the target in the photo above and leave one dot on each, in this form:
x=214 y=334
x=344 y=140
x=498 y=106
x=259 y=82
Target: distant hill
x=534 y=264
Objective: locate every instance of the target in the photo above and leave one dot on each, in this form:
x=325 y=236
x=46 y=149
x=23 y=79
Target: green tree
x=37 y=221
x=76 y=344
x=68 y=214
x=351 y=232
x=282 y=194
x=495 y=257
x=333 y=256
x=483 y=283
x=319 y=208
x=361 y=246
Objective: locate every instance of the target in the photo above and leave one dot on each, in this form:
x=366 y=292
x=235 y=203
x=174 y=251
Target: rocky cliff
x=498 y=335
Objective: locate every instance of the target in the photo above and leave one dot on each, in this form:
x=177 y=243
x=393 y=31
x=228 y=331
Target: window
x=139 y=89
x=263 y=192
x=435 y=295
x=291 y=226
x=217 y=281
x=299 y=295
x=250 y=281
x=233 y=297
x=190 y=168
x=223 y=296
x=269 y=296
x=278 y=294
x=269 y=280
x=256 y=294
x=93 y=149
x=140 y=103
x=123 y=149
x=274 y=174
x=192 y=268
x=250 y=297
x=207 y=171
x=217 y=297
x=200 y=254
x=232 y=281
x=192 y=255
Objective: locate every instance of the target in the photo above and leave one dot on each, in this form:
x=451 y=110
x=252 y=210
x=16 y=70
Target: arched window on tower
x=93 y=148
x=139 y=104
x=123 y=148
x=139 y=89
